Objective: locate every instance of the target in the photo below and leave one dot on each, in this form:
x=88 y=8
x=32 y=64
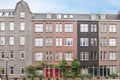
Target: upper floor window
x=93 y=28
x=103 y=41
x=22 y=14
x=11 y=54
x=84 y=42
x=39 y=42
x=22 y=70
x=71 y=16
x=11 y=40
x=48 y=56
x=93 y=42
x=58 y=27
x=2 y=70
x=68 y=41
x=49 y=27
x=68 y=27
x=112 y=28
x=58 y=56
x=22 y=26
x=22 y=54
x=58 y=41
x=84 y=28
x=2 y=26
x=112 y=42
x=11 y=26
x=11 y=70
x=2 y=40
x=38 y=56
x=68 y=56
x=84 y=56
x=49 y=41
x=103 y=28
x=38 y=27
x=93 y=55
x=112 y=55
x=22 y=40
x=2 y=54
x=58 y=16
x=103 y=55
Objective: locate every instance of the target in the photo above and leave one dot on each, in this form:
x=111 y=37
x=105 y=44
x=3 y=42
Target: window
x=93 y=28
x=93 y=55
x=112 y=55
x=93 y=41
x=103 y=41
x=112 y=42
x=11 y=54
x=83 y=27
x=11 y=26
x=22 y=26
x=2 y=40
x=2 y=26
x=48 y=56
x=22 y=40
x=38 y=27
x=58 y=56
x=103 y=55
x=65 y=16
x=112 y=28
x=49 y=27
x=84 y=56
x=68 y=41
x=84 y=42
x=68 y=27
x=3 y=71
x=11 y=40
x=71 y=16
x=49 y=42
x=58 y=16
x=58 y=41
x=11 y=70
x=58 y=27
x=103 y=28
x=112 y=69
x=22 y=70
x=22 y=14
x=22 y=54
x=38 y=56
x=39 y=42
x=49 y=16
x=2 y=55
x=68 y=56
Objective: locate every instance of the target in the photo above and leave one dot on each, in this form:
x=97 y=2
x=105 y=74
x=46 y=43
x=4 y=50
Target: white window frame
x=22 y=14
x=84 y=42
x=68 y=56
x=22 y=40
x=22 y=68
x=58 y=56
x=112 y=28
x=68 y=27
x=84 y=28
x=2 y=40
x=112 y=42
x=2 y=26
x=22 y=26
x=38 y=42
x=38 y=56
x=11 y=40
x=59 y=27
x=22 y=52
x=39 y=27
x=112 y=55
x=58 y=41
x=11 y=26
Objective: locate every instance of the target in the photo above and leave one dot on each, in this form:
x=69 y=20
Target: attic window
x=49 y=16
x=71 y=16
x=65 y=16
x=7 y=14
x=58 y=16
x=1 y=14
x=22 y=14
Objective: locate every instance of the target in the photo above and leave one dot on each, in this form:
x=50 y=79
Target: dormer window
x=58 y=16
x=49 y=16
x=71 y=16
x=1 y=13
x=65 y=16
x=22 y=14
x=7 y=14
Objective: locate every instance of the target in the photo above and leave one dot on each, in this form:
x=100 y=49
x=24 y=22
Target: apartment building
x=15 y=40
x=54 y=39
x=29 y=38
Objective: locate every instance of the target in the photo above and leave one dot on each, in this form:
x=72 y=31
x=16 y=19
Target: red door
x=51 y=73
x=46 y=73
x=57 y=73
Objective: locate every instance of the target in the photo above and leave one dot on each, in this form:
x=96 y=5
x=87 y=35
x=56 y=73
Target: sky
x=67 y=6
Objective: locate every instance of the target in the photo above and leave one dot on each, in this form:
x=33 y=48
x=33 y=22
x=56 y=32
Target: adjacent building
x=30 y=38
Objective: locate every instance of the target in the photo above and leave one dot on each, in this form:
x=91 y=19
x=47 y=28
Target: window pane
x=38 y=27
